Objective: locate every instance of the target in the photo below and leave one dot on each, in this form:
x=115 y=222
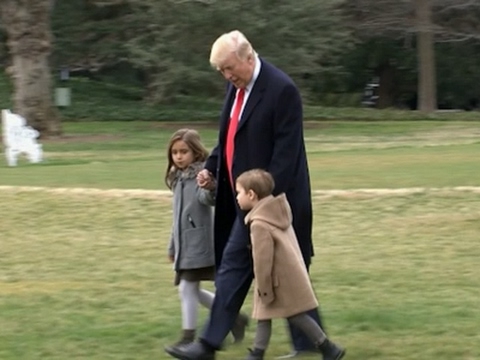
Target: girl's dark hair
x=259 y=181
x=192 y=139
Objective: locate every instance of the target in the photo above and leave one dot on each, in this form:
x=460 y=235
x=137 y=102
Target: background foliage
x=331 y=48
x=148 y=59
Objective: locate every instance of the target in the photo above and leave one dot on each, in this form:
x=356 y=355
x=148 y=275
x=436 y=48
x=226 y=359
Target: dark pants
x=232 y=282
x=300 y=341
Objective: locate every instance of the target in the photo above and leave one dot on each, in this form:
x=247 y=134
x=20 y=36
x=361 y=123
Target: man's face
x=245 y=198
x=238 y=72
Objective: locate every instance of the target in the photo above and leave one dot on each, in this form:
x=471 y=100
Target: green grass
x=342 y=155
x=85 y=275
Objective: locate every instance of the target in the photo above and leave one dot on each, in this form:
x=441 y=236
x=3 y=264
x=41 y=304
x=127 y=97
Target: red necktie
x=232 y=129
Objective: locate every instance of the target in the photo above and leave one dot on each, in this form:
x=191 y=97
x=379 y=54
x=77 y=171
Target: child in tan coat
x=282 y=285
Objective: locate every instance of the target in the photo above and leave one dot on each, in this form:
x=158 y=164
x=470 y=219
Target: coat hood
x=274 y=210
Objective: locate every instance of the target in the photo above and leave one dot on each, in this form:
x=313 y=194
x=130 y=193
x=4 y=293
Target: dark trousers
x=300 y=341
x=232 y=282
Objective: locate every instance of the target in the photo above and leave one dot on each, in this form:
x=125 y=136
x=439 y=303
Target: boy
x=282 y=285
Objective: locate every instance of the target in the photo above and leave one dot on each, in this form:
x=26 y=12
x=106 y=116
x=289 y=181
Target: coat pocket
x=197 y=243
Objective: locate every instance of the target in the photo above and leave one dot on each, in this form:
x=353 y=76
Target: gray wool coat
x=282 y=285
x=191 y=241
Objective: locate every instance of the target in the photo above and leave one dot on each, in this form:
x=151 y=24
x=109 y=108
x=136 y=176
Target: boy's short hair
x=259 y=181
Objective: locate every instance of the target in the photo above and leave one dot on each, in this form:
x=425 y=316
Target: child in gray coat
x=191 y=248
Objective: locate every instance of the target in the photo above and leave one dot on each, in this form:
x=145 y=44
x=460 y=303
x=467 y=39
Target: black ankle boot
x=255 y=354
x=330 y=350
x=188 y=336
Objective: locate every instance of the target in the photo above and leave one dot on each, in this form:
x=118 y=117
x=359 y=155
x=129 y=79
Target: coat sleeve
x=262 y=251
x=212 y=160
x=288 y=128
x=171 y=245
x=206 y=197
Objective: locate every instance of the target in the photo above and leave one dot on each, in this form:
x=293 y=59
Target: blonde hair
x=193 y=141
x=231 y=42
x=259 y=181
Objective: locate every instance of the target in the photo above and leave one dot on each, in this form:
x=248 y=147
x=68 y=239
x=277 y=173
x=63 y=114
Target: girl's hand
x=205 y=180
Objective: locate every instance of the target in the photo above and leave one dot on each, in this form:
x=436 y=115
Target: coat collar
x=189 y=173
x=253 y=99
x=256 y=96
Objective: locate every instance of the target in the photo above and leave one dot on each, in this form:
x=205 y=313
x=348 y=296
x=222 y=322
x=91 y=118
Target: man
x=261 y=126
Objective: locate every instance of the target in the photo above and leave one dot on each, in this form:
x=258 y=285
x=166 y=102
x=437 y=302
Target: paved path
x=142 y=193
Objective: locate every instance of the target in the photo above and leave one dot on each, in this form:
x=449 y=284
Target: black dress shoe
x=192 y=351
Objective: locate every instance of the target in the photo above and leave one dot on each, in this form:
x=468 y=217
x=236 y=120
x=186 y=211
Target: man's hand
x=206 y=180
x=171 y=258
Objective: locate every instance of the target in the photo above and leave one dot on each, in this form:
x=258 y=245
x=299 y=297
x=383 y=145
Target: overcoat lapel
x=254 y=98
x=225 y=116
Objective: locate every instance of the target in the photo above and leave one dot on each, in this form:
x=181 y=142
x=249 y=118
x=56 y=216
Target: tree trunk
x=27 y=23
x=427 y=87
x=386 y=74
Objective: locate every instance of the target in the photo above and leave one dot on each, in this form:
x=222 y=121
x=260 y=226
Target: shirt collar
x=256 y=71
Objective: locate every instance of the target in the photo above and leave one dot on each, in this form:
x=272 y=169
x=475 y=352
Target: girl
x=191 y=242
x=191 y=246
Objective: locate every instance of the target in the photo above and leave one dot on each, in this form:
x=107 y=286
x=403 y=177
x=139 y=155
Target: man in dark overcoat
x=261 y=126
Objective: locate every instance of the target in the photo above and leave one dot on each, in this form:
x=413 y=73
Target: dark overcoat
x=269 y=136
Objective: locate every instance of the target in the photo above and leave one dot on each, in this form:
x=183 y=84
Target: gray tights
x=302 y=321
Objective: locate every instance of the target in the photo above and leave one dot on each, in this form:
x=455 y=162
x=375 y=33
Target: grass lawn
x=342 y=155
x=85 y=276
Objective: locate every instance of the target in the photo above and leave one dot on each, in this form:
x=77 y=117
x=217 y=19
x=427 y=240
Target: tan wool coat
x=282 y=285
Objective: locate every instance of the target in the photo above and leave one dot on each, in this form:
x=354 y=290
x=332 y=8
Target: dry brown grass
x=85 y=276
